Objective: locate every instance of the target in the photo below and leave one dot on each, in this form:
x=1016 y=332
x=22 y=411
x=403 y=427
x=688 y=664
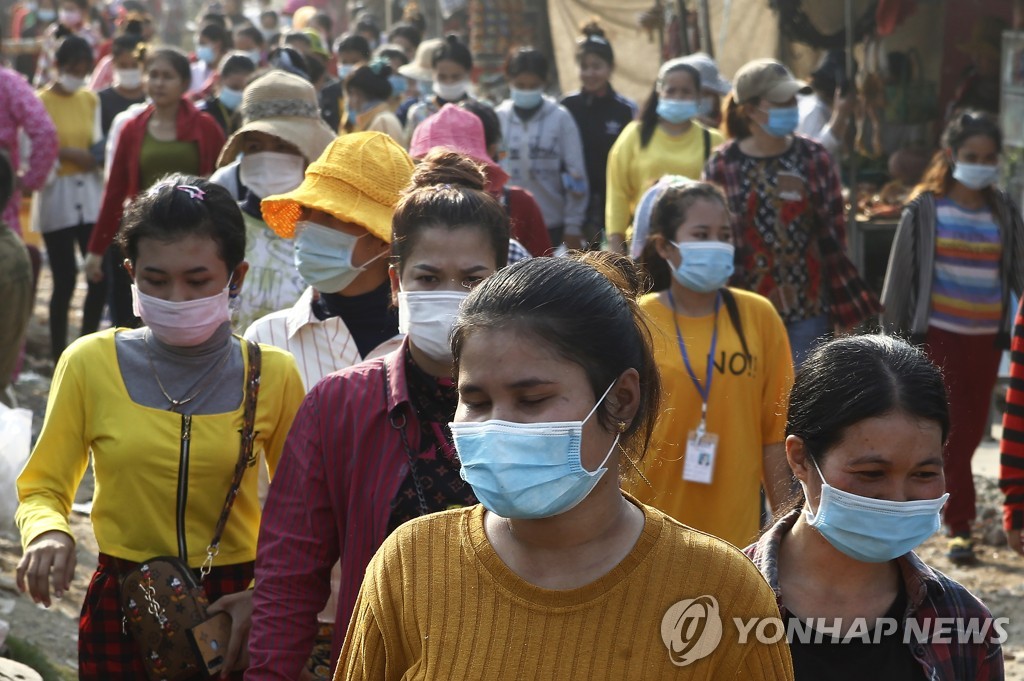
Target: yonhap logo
x=691 y=629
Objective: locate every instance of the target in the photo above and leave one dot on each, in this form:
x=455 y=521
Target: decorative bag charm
x=161 y=599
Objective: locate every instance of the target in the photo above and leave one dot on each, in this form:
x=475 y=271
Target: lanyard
x=705 y=390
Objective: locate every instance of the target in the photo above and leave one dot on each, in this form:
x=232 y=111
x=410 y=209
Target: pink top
x=21 y=109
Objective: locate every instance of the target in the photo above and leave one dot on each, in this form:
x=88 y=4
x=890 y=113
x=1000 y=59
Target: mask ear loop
x=617 y=436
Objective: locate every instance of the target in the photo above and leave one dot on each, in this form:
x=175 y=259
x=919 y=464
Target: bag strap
x=707 y=143
x=734 y=316
x=398 y=421
x=252 y=391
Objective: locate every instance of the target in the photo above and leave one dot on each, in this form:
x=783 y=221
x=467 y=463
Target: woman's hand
x=94 y=268
x=1015 y=538
x=239 y=606
x=50 y=557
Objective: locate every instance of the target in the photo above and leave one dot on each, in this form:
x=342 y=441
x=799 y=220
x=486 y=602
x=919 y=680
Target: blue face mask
x=526 y=99
x=872 y=530
x=323 y=257
x=398 y=85
x=975 y=176
x=706 y=265
x=230 y=98
x=204 y=53
x=678 y=110
x=527 y=470
x=426 y=87
x=345 y=69
x=46 y=15
x=782 y=122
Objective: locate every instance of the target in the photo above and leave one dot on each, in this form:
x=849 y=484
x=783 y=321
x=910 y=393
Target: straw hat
x=422 y=65
x=459 y=130
x=285 y=106
x=358 y=179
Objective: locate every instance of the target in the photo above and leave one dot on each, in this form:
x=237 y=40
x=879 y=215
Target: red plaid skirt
x=105 y=651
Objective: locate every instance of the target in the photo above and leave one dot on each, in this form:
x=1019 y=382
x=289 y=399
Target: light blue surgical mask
x=398 y=85
x=323 y=257
x=527 y=470
x=782 y=122
x=526 y=99
x=230 y=98
x=706 y=265
x=975 y=176
x=872 y=530
x=678 y=110
x=46 y=15
x=426 y=87
x=205 y=54
x=255 y=56
x=345 y=69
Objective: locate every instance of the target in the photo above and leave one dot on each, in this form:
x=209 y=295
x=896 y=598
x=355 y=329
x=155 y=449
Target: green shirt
x=161 y=158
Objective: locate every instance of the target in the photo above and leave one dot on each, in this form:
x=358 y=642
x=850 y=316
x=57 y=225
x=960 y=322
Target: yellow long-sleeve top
x=633 y=169
x=76 y=117
x=437 y=602
x=136 y=454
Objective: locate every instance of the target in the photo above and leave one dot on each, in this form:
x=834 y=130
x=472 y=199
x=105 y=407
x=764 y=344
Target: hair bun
x=452 y=39
x=441 y=167
x=622 y=271
x=592 y=29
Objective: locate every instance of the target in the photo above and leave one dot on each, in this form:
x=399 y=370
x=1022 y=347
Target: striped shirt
x=967 y=296
x=320 y=347
x=342 y=465
x=1011 y=450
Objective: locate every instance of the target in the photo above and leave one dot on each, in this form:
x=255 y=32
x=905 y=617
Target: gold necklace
x=199 y=386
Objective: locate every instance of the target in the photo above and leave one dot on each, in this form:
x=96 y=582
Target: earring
x=622 y=425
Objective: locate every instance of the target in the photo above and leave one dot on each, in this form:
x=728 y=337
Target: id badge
x=699 y=465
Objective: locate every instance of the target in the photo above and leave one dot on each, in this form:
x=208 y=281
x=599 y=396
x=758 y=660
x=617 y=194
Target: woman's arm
x=619 y=189
x=364 y=655
x=112 y=204
x=28 y=113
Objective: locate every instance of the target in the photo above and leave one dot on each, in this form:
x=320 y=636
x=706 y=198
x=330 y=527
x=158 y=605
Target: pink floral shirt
x=20 y=109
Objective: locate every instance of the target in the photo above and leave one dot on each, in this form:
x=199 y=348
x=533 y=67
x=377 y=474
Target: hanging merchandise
x=797 y=26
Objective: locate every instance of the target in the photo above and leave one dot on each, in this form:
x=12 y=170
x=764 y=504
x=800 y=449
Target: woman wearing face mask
x=867 y=420
x=281 y=135
x=396 y=59
x=132 y=399
x=167 y=135
x=452 y=64
x=235 y=72
x=66 y=207
x=29 y=21
x=352 y=51
x=371 y=448
x=787 y=205
x=369 y=89
x=212 y=44
x=957 y=258
x=665 y=141
x=544 y=149
x=132 y=24
x=600 y=114
x=555 y=546
x=724 y=361
x=72 y=19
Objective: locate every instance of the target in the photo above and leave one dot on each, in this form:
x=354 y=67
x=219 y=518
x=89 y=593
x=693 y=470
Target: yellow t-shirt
x=746 y=410
x=632 y=170
x=438 y=602
x=74 y=116
x=135 y=459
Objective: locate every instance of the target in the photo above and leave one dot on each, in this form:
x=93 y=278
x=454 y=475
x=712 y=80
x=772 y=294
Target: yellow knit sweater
x=438 y=603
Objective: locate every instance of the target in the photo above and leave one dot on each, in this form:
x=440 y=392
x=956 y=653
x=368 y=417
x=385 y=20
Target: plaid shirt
x=1011 y=459
x=931 y=595
x=849 y=299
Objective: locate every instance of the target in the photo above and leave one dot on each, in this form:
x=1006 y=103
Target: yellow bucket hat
x=358 y=179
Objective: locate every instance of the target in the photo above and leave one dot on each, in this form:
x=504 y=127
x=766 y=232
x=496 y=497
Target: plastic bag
x=15 y=440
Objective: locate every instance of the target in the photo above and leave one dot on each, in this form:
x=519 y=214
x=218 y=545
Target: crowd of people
x=531 y=373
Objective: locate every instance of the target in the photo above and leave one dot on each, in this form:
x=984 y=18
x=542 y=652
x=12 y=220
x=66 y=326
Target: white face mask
x=268 y=173
x=70 y=83
x=128 y=78
x=451 y=92
x=181 y=323
x=427 y=317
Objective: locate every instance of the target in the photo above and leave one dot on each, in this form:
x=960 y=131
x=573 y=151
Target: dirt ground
x=998 y=579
